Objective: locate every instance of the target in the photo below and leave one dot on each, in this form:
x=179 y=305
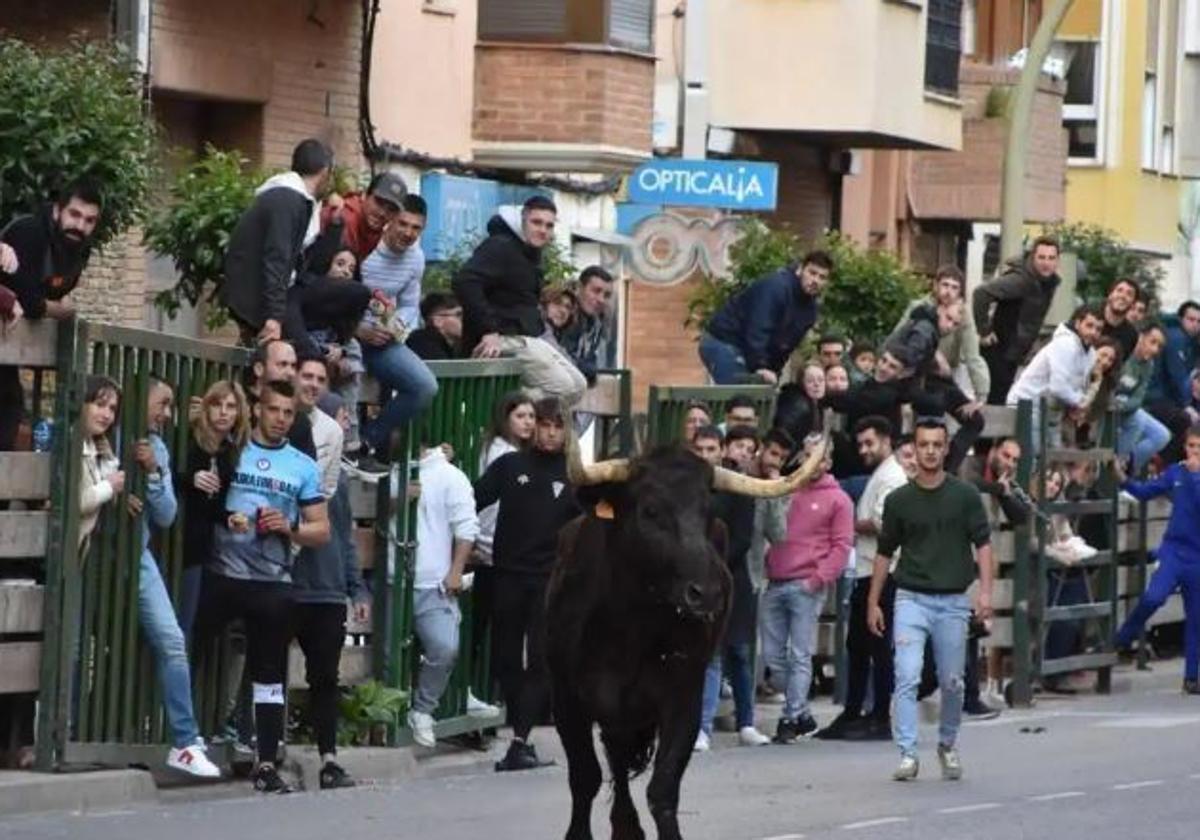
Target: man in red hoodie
x=809 y=551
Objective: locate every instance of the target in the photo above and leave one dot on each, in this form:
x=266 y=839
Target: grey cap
x=389 y=187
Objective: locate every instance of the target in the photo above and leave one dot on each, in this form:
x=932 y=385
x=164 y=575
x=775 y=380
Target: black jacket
x=431 y=345
x=915 y=343
x=767 y=320
x=49 y=264
x=1021 y=298
x=264 y=249
x=535 y=502
x=499 y=286
x=201 y=511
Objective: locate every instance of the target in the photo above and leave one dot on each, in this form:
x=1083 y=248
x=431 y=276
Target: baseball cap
x=389 y=187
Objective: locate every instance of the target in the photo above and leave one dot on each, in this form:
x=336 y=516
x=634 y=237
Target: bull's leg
x=583 y=768
x=621 y=749
x=676 y=737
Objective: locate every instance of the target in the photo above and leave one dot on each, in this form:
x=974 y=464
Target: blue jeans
x=414 y=386
x=942 y=619
x=1171 y=573
x=741 y=678
x=725 y=363
x=189 y=598
x=1144 y=436
x=161 y=629
x=436 y=618
x=790 y=617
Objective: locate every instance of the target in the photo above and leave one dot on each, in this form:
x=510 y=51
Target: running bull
x=637 y=605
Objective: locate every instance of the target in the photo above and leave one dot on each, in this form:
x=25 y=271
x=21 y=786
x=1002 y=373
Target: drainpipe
x=1020 y=115
x=695 y=79
x=132 y=28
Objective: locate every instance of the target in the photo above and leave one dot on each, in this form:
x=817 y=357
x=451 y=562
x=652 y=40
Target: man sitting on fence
x=43 y=257
x=156 y=615
x=274 y=502
x=500 y=288
x=754 y=333
x=447 y=526
x=441 y=337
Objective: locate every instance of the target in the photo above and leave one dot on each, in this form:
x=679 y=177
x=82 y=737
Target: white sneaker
x=702 y=742
x=421 y=725
x=194 y=761
x=476 y=708
x=748 y=736
x=1082 y=550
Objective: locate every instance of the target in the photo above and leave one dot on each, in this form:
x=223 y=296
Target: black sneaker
x=836 y=731
x=1191 y=687
x=333 y=776
x=978 y=710
x=520 y=756
x=268 y=780
x=785 y=732
x=806 y=727
x=870 y=729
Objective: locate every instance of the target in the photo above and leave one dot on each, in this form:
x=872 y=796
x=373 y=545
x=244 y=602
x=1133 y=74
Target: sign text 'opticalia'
x=732 y=184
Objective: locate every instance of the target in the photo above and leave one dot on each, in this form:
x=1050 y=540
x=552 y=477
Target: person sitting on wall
x=441 y=337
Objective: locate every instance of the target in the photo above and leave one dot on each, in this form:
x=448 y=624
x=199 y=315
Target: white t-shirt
x=328 y=439
x=445 y=512
x=887 y=477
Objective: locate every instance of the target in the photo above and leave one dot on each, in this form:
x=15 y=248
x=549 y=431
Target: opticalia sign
x=732 y=184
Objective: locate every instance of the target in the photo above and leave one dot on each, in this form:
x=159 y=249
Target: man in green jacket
x=1140 y=434
x=940 y=528
x=959 y=347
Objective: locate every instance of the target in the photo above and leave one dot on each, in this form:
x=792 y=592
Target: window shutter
x=522 y=20
x=631 y=24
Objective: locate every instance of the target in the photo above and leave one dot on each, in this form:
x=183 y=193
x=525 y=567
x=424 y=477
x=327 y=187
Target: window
x=1191 y=27
x=1149 y=120
x=619 y=23
x=943 y=46
x=1082 y=103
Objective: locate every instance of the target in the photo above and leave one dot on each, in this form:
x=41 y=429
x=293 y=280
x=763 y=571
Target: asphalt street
x=1125 y=766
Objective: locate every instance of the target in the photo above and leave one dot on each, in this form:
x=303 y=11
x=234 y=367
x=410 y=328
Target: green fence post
x=1022 y=693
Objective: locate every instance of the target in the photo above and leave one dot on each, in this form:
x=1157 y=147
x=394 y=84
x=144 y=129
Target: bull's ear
x=603 y=497
x=718 y=535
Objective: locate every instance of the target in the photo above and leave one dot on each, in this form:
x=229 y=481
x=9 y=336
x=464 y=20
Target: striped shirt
x=398 y=275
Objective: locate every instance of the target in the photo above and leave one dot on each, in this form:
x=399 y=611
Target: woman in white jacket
x=101 y=478
x=1060 y=371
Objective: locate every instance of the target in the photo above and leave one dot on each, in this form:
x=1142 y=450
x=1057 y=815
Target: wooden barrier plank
x=363 y=499
x=23 y=533
x=30 y=344
x=24 y=475
x=1002 y=594
x=999 y=421
x=21 y=606
x=364 y=545
x=20 y=666
x=603 y=398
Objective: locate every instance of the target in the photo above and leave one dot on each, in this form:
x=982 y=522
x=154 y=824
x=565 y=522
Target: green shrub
x=367 y=709
x=867 y=291
x=1105 y=258
x=193 y=229
x=72 y=113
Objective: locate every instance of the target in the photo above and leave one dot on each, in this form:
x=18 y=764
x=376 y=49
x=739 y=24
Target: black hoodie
x=500 y=284
x=1014 y=306
x=50 y=264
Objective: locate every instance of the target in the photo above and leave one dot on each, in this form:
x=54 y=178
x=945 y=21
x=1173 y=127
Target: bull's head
x=662 y=504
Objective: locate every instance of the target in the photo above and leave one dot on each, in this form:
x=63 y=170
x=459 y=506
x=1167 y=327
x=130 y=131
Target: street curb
x=24 y=792
x=369 y=765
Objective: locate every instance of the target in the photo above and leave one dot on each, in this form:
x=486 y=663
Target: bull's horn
x=769 y=488
x=581 y=474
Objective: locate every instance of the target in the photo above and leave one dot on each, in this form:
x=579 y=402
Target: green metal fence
x=460 y=415
x=99 y=696
x=669 y=405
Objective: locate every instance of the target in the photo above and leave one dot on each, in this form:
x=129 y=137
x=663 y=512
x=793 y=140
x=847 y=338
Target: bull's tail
x=629 y=751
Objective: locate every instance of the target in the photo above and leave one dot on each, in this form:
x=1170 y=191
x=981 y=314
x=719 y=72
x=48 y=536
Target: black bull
x=636 y=607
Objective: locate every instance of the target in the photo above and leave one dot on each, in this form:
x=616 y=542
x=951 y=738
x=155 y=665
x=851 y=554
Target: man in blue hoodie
x=1178 y=556
x=754 y=333
x=1169 y=397
x=155 y=613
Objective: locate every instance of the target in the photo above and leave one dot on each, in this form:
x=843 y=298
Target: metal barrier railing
x=669 y=405
x=99 y=697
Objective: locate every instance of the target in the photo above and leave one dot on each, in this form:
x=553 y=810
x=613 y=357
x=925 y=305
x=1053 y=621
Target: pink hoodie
x=820 y=534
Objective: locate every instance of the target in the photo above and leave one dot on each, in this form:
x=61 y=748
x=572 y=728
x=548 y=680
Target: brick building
x=254 y=75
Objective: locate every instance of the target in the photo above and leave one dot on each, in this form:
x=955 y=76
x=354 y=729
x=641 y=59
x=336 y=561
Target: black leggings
x=321 y=631
x=265 y=608
x=322 y=303
x=519 y=647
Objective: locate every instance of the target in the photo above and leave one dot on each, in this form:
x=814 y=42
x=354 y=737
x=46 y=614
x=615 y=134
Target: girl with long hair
x=102 y=478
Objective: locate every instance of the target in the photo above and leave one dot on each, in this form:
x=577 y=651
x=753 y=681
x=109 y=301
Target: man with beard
x=1117 y=308
x=49 y=251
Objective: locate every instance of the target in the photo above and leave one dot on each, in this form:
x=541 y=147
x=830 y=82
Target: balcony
x=965 y=185
x=568 y=85
x=849 y=73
